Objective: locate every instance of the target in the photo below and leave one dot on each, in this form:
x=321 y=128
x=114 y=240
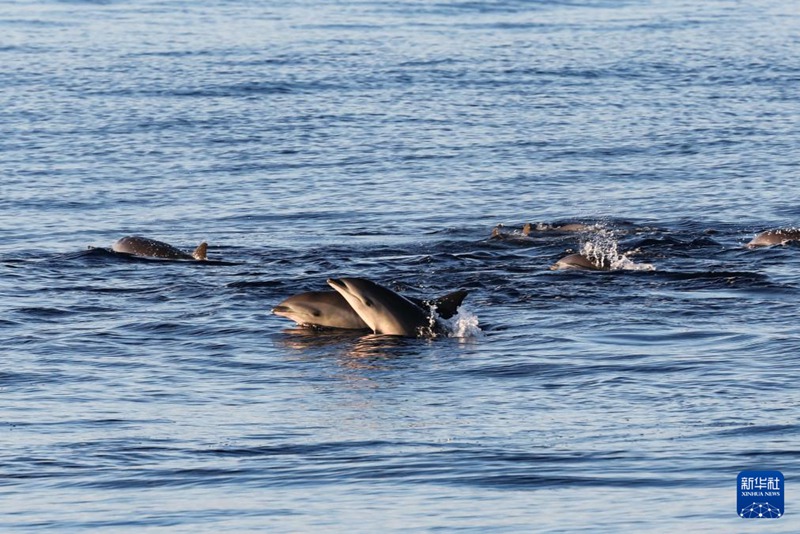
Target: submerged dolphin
x=388 y=313
x=565 y=227
x=498 y=234
x=778 y=236
x=577 y=261
x=150 y=248
x=330 y=309
x=528 y=229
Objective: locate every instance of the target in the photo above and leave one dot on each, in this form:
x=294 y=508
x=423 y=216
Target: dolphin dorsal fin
x=200 y=252
x=447 y=305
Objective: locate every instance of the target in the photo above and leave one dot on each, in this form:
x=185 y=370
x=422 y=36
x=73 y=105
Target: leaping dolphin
x=779 y=236
x=330 y=309
x=388 y=313
x=150 y=248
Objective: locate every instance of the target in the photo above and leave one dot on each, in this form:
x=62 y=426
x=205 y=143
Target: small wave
x=260 y=283
x=101 y=253
x=309 y=338
x=727 y=279
x=757 y=430
x=44 y=312
x=463 y=324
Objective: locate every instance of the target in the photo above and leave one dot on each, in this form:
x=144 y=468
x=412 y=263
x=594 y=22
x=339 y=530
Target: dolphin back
x=152 y=248
x=575 y=261
x=777 y=236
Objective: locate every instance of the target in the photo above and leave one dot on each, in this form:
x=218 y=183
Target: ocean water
x=306 y=140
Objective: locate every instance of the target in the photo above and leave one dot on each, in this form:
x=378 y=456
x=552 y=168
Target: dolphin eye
x=368 y=303
x=316 y=313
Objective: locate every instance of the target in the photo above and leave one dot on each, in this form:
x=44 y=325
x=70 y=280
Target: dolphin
x=320 y=308
x=497 y=233
x=779 y=236
x=529 y=228
x=150 y=248
x=577 y=261
x=330 y=309
x=388 y=313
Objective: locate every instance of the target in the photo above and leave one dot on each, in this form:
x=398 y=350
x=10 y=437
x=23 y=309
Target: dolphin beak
x=277 y=310
x=336 y=284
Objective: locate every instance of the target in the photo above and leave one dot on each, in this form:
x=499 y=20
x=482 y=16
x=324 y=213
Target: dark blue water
x=385 y=140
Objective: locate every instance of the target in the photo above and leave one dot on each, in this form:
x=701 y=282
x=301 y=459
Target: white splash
x=464 y=324
x=603 y=249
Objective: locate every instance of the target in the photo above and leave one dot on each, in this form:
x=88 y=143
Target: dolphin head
x=299 y=312
x=320 y=308
x=383 y=310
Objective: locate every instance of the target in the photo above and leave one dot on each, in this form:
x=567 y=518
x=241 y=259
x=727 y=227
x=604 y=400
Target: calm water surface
x=385 y=140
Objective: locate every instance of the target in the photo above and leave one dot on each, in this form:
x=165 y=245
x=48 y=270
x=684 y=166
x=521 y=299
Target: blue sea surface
x=306 y=140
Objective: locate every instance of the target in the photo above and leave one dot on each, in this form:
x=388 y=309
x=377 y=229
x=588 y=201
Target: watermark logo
x=760 y=494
